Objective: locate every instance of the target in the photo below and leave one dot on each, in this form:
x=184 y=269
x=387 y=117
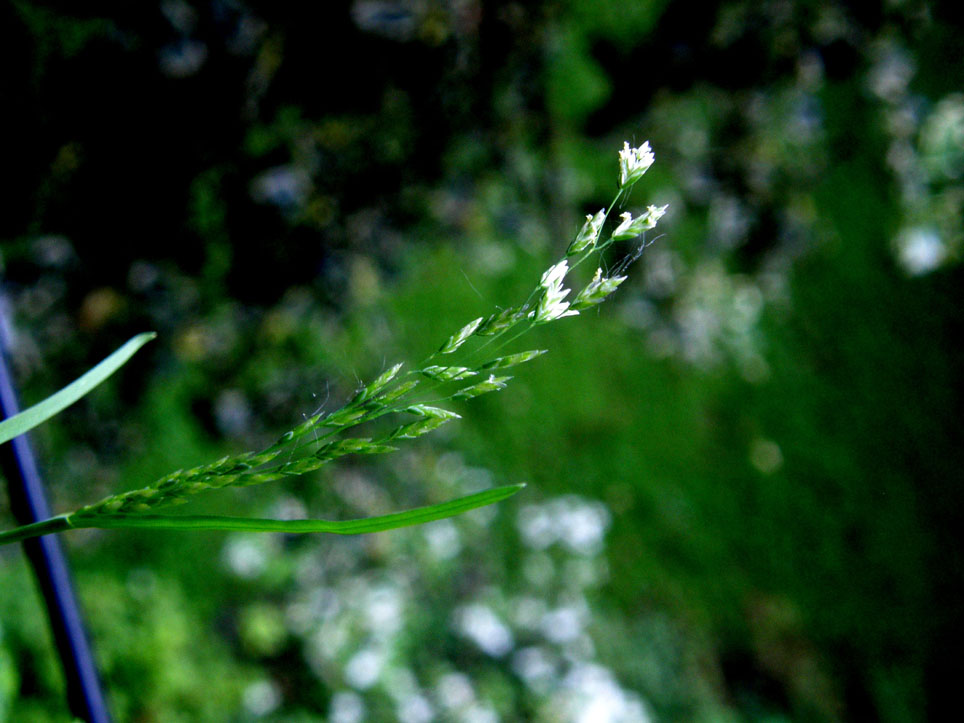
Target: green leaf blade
x=395 y=520
x=80 y=387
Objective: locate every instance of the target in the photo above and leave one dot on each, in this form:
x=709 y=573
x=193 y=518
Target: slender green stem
x=600 y=247
x=36 y=529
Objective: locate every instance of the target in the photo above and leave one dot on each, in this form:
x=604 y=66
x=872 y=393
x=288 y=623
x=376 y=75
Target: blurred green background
x=744 y=498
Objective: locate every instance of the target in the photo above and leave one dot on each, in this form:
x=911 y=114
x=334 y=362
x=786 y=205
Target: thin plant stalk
x=85 y=698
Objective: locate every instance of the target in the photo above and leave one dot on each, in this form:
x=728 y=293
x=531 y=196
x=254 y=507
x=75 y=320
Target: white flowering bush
x=411 y=630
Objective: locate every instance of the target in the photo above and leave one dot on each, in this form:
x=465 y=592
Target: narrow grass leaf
x=416 y=516
x=57 y=402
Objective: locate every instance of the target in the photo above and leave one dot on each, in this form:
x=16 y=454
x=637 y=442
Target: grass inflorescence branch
x=463 y=368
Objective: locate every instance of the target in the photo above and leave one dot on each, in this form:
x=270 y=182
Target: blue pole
x=29 y=504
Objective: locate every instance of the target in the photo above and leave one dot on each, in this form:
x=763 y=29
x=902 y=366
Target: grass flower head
x=323 y=438
x=633 y=163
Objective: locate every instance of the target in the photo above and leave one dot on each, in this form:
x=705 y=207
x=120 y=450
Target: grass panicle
x=323 y=438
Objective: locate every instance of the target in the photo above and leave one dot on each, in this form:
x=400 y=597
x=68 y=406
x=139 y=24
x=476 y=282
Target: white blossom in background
x=926 y=156
x=383 y=609
x=591 y=694
x=577 y=523
x=364 y=668
x=286 y=187
x=942 y=139
x=537 y=667
x=536 y=526
x=353 y=621
x=261 y=697
x=566 y=623
x=346 y=707
x=454 y=691
x=920 y=250
x=415 y=708
x=478 y=713
x=443 y=539
x=248 y=555
x=482 y=626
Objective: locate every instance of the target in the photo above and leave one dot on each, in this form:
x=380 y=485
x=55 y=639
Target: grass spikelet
x=447 y=374
x=492 y=384
x=512 y=360
x=459 y=338
x=500 y=322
